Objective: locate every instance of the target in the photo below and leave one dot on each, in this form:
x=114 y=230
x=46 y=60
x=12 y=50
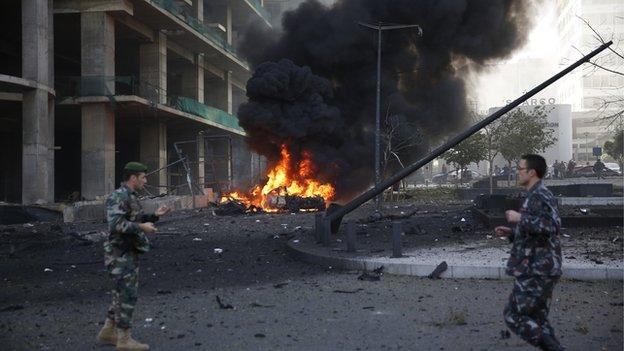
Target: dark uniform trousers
x=526 y=313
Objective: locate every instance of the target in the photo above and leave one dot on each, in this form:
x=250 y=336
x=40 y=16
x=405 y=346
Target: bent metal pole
x=335 y=213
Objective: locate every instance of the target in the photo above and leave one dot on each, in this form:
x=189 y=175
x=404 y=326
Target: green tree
x=471 y=150
x=615 y=148
x=524 y=132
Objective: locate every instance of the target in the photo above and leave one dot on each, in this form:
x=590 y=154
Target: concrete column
x=201 y=160
x=200 y=78
x=193 y=80
x=228 y=22
x=198 y=9
x=228 y=92
x=98 y=48
x=37 y=106
x=153 y=69
x=153 y=151
x=98 y=150
x=98 y=119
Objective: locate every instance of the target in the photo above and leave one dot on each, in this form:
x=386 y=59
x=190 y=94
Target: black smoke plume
x=422 y=76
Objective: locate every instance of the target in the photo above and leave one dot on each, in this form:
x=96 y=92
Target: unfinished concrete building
x=88 y=85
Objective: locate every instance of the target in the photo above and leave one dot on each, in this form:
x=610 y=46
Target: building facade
x=88 y=85
x=592 y=92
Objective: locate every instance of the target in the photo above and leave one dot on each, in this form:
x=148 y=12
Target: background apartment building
x=88 y=85
x=589 y=89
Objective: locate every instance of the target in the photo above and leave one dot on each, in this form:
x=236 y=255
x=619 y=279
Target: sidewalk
x=470 y=260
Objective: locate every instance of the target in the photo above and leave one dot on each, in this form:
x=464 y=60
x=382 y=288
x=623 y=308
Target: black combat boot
x=550 y=343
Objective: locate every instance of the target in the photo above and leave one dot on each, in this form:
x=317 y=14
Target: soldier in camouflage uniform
x=535 y=259
x=128 y=227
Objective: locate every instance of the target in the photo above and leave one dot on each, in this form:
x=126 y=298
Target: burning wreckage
x=290 y=187
x=278 y=200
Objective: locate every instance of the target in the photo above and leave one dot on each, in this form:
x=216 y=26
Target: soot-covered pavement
x=53 y=296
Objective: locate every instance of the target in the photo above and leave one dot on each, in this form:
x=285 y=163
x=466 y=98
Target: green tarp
x=210 y=113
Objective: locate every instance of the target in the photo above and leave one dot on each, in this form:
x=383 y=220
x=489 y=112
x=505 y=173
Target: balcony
x=129 y=90
x=185 y=30
x=257 y=7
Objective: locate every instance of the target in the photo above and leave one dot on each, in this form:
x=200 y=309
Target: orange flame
x=283 y=180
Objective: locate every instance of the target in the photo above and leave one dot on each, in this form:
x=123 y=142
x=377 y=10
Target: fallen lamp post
x=335 y=212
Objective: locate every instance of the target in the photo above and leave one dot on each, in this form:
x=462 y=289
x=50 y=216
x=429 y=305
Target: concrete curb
x=326 y=257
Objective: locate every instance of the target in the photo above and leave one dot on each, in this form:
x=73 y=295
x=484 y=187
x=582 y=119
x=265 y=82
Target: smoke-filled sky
x=328 y=108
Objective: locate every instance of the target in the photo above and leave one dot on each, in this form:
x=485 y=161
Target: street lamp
x=379 y=27
x=586 y=148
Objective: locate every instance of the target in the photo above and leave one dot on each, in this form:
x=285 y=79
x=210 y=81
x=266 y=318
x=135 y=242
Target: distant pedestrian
x=562 y=169
x=128 y=227
x=535 y=258
x=556 y=169
x=571 y=167
x=599 y=168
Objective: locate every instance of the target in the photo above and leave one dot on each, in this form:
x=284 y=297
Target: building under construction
x=88 y=85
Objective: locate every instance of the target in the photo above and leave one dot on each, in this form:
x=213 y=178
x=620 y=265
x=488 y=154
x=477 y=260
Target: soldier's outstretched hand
x=147 y=227
x=502 y=230
x=162 y=210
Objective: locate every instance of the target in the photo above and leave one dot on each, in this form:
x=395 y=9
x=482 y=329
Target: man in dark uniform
x=598 y=168
x=128 y=227
x=535 y=259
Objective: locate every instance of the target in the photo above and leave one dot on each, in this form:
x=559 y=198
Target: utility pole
x=586 y=148
x=379 y=27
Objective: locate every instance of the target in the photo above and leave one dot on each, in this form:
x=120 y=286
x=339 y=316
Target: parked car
x=452 y=177
x=588 y=171
x=614 y=167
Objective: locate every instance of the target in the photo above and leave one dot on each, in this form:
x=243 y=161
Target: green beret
x=135 y=167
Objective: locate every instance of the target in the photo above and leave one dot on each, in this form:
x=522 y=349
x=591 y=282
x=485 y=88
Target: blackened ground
x=434 y=223
x=54 y=293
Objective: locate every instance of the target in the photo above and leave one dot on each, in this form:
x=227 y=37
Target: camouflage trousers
x=123 y=269
x=526 y=313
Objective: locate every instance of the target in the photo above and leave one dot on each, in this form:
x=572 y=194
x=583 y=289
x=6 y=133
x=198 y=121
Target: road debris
x=222 y=305
x=373 y=276
x=258 y=305
x=339 y=291
x=437 y=272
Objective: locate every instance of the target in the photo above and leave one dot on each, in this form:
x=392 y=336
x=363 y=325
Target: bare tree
x=611 y=108
x=399 y=136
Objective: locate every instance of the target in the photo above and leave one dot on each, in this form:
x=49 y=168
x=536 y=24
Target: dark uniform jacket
x=123 y=214
x=536 y=249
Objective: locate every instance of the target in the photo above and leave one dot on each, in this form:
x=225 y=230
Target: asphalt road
x=278 y=303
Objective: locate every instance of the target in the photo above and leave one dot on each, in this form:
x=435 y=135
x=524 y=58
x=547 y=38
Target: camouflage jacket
x=536 y=249
x=123 y=214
